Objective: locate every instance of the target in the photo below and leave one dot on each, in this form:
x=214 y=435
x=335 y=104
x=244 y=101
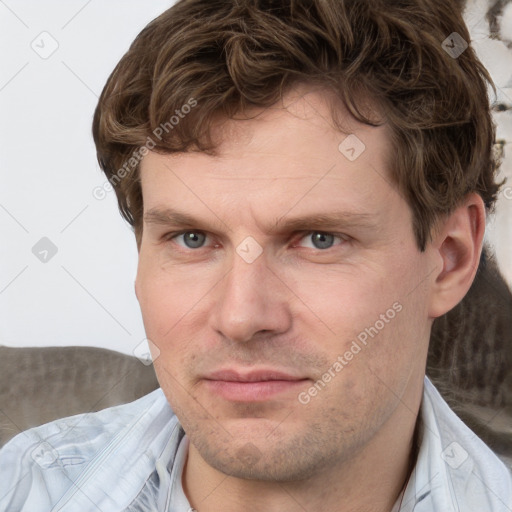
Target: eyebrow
x=322 y=221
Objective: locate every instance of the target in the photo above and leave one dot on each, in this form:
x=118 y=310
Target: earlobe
x=458 y=245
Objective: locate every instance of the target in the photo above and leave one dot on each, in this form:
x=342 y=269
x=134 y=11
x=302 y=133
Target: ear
x=457 y=245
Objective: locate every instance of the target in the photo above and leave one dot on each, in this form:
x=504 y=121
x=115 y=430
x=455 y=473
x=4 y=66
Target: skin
x=296 y=308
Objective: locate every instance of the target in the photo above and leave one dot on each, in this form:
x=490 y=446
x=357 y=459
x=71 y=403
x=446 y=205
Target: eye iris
x=322 y=240
x=193 y=239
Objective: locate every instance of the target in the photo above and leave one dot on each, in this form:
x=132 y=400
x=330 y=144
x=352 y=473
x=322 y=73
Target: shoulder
x=471 y=473
x=38 y=466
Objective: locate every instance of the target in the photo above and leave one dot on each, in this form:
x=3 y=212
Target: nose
x=250 y=300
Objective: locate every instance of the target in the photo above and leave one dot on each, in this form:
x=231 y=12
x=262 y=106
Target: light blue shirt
x=131 y=457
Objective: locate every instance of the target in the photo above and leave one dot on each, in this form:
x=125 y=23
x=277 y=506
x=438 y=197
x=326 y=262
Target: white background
x=84 y=294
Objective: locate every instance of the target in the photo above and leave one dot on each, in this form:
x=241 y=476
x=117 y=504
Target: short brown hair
x=230 y=55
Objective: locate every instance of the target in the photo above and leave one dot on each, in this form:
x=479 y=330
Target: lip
x=252 y=386
x=230 y=375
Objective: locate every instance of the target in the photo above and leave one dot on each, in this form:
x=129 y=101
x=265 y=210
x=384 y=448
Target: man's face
x=341 y=308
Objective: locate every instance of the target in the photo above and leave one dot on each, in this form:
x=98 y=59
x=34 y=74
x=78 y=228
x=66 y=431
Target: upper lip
x=230 y=375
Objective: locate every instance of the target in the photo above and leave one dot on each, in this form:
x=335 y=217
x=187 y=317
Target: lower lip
x=253 y=391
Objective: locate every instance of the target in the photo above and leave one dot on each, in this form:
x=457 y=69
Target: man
x=308 y=184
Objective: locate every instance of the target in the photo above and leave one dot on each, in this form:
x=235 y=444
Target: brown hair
x=230 y=55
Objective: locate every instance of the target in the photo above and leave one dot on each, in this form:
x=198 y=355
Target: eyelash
x=169 y=237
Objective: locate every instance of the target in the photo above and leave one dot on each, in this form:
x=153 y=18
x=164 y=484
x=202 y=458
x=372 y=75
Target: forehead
x=304 y=113
x=287 y=154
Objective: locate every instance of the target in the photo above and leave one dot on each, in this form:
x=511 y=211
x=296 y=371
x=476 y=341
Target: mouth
x=254 y=386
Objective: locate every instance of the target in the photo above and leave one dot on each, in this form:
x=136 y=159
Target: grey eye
x=322 y=240
x=193 y=239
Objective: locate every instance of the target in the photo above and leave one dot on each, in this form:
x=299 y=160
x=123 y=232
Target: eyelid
x=341 y=236
x=297 y=236
x=168 y=237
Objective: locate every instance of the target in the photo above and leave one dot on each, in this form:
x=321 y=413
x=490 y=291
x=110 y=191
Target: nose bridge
x=250 y=300
x=246 y=280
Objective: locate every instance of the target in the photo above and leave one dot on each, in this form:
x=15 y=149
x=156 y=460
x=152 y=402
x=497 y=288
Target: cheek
x=170 y=325
x=347 y=299
x=167 y=295
x=378 y=313
x=157 y=303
